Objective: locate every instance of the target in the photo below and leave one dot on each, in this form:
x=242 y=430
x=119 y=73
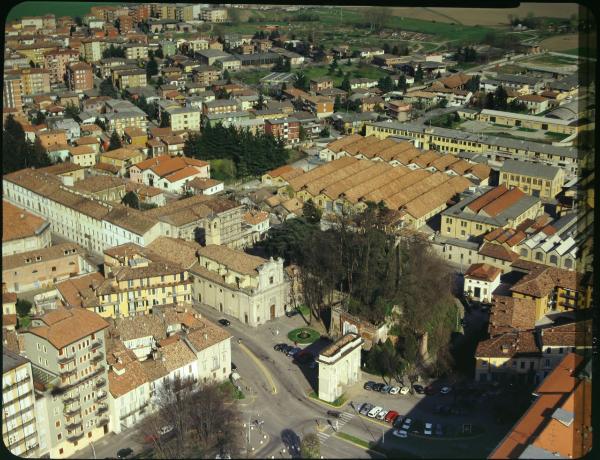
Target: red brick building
x=80 y=76
x=286 y=128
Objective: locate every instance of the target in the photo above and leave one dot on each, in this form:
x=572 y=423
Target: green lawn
x=526 y=130
x=551 y=60
x=24 y=321
x=58 y=8
x=223 y=170
x=313 y=335
x=337 y=403
x=583 y=51
x=250 y=77
x=234 y=392
x=355 y=71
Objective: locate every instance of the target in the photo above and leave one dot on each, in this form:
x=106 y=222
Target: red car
x=149 y=438
x=391 y=416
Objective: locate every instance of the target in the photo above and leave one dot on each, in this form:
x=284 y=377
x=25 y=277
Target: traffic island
x=256 y=439
x=303 y=335
x=341 y=401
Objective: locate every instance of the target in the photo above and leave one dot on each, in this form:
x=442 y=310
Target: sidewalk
x=255 y=438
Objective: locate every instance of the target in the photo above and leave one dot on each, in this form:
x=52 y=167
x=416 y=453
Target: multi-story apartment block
x=287 y=129
x=11 y=92
x=22 y=231
x=92 y=50
x=206 y=75
x=80 y=76
x=219 y=106
x=68 y=355
x=183 y=118
x=19 y=427
x=477 y=215
x=119 y=121
x=35 y=51
x=35 y=81
x=136 y=51
x=52 y=137
x=57 y=61
x=537 y=180
x=134 y=78
x=122 y=158
x=217 y=15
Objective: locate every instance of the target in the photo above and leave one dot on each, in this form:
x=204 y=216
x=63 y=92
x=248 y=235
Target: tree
x=159 y=53
x=401 y=85
x=325 y=132
x=260 y=104
x=131 y=199
x=386 y=84
x=345 y=85
x=301 y=81
x=500 y=98
x=78 y=21
x=107 y=88
x=98 y=122
x=23 y=307
x=71 y=110
x=310 y=447
x=419 y=74
x=396 y=50
x=489 y=102
x=303 y=134
x=226 y=76
x=386 y=48
x=115 y=141
x=337 y=105
x=151 y=68
x=378 y=17
x=40 y=118
x=311 y=212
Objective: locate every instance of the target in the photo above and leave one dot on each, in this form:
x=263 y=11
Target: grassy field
x=58 y=8
x=549 y=59
x=251 y=77
x=355 y=70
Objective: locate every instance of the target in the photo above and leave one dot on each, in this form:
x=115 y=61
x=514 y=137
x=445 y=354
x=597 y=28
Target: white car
x=404 y=390
x=445 y=390
x=428 y=429
x=406 y=424
x=165 y=429
x=373 y=412
x=394 y=390
x=400 y=433
x=381 y=415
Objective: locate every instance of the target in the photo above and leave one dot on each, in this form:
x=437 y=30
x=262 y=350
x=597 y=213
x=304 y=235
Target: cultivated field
x=487 y=16
x=57 y=8
x=569 y=42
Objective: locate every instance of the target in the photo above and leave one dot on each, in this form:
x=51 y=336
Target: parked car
x=365 y=408
x=378 y=386
x=445 y=390
x=279 y=347
x=374 y=411
x=291 y=313
x=381 y=415
x=390 y=417
x=224 y=322
x=419 y=389
x=165 y=429
x=303 y=357
x=406 y=424
x=386 y=389
x=439 y=430
x=400 y=433
x=428 y=429
x=292 y=352
x=124 y=453
x=334 y=413
x=404 y=390
x=394 y=390
x=369 y=385
x=233 y=366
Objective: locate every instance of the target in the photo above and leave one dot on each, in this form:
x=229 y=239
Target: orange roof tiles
x=486 y=198
x=18 y=223
x=503 y=202
x=483 y=272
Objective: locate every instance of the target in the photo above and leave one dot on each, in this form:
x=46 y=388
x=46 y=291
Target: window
x=57 y=424
x=522 y=364
x=271 y=280
x=560 y=351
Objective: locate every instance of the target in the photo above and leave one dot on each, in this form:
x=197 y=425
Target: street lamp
x=93 y=449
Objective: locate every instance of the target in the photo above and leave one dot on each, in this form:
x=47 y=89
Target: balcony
x=101 y=410
x=97 y=357
x=66 y=359
x=70 y=399
x=75 y=436
x=100 y=382
x=95 y=344
x=67 y=372
x=569 y=295
x=72 y=408
x=73 y=426
x=102 y=422
x=101 y=396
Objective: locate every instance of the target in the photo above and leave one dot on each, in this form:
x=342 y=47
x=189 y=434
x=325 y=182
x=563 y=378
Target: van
x=373 y=412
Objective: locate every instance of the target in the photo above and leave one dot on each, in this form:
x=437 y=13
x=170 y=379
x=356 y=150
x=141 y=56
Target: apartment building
x=136 y=51
x=491 y=147
x=134 y=78
x=149 y=351
x=480 y=281
x=287 y=129
x=53 y=137
x=552 y=125
x=320 y=84
x=35 y=81
x=11 y=92
x=497 y=207
x=219 y=106
x=22 y=231
x=322 y=107
x=92 y=50
x=80 y=76
x=119 y=121
x=82 y=155
x=183 y=118
x=57 y=61
x=68 y=356
x=536 y=180
x=216 y=15
x=19 y=427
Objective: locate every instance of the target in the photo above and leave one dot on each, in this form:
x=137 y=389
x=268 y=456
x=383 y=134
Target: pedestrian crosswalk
x=323 y=436
x=336 y=425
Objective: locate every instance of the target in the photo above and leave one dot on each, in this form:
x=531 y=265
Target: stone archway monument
x=339 y=366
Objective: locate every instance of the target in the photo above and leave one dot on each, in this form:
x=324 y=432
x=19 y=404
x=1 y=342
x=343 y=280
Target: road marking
x=323 y=436
x=262 y=367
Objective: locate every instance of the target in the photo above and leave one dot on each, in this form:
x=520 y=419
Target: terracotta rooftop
x=178 y=251
x=255 y=218
x=497 y=251
x=233 y=259
x=80 y=291
x=558 y=423
x=509 y=345
x=64 y=327
x=18 y=223
x=511 y=313
x=483 y=272
x=41 y=255
x=541 y=281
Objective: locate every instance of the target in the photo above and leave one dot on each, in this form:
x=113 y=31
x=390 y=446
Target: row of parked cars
x=403 y=425
x=403 y=390
x=299 y=355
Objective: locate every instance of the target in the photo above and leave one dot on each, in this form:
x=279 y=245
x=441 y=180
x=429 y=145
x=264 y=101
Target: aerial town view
x=283 y=231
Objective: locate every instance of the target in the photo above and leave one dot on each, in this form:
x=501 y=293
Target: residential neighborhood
x=298 y=231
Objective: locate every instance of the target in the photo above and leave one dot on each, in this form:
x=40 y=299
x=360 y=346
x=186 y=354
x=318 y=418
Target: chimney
x=22 y=216
x=205 y=336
